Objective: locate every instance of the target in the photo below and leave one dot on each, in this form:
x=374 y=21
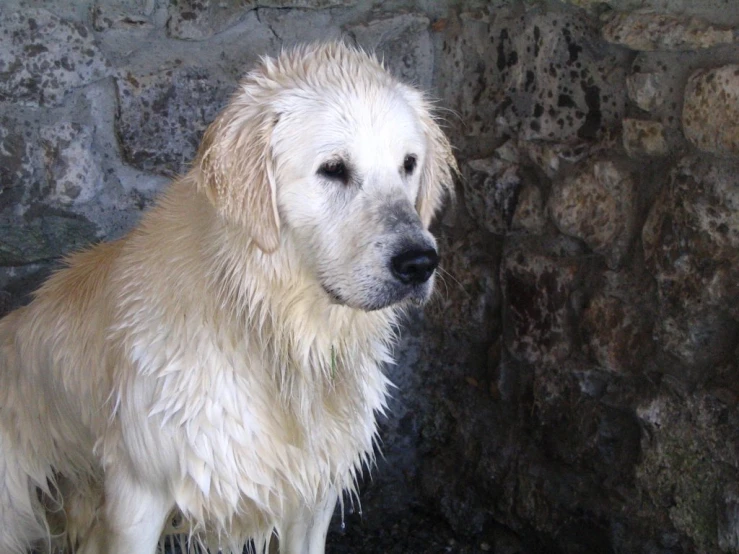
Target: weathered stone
x=644 y=138
x=403 y=42
x=716 y=11
x=122 y=14
x=561 y=85
x=529 y=215
x=537 y=278
x=643 y=30
x=691 y=244
x=491 y=189
x=646 y=90
x=197 y=20
x=711 y=110
x=598 y=207
x=72 y=172
x=17 y=167
x=728 y=518
x=46 y=235
x=469 y=292
x=162 y=116
x=619 y=335
x=688 y=452
x=42 y=57
x=551 y=78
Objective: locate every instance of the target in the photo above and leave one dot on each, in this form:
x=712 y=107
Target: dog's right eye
x=335 y=170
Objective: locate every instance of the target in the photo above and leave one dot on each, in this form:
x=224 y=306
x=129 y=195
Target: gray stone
x=43 y=57
x=403 y=41
x=598 y=207
x=162 y=116
x=72 y=172
x=537 y=278
x=45 y=235
x=197 y=20
x=728 y=518
x=529 y=215
x=17 y=166
x=711 y=110
x=689 y=449
x=691 y=244
x=618 y=332
x=491 y=188
x=644 y=30
x=122 y=14
x=716 y=11
x=549 y=79
x=644 y=138
x=646 y=90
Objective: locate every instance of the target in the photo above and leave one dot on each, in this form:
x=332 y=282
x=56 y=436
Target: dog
x=222 y=364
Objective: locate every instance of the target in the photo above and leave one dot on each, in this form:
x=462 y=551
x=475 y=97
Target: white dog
x=223 y=362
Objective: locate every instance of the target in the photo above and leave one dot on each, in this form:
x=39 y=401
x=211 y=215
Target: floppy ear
x=438 y=169
x=237 y=170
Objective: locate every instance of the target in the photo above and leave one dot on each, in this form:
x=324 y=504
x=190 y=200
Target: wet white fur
x=198 y=365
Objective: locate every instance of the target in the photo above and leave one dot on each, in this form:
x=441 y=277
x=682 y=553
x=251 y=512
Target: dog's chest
x=257 y=430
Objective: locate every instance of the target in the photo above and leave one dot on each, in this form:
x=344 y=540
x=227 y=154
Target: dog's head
x=322 y=147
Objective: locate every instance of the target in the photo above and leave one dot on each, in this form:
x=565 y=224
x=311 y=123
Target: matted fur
x=223 y=361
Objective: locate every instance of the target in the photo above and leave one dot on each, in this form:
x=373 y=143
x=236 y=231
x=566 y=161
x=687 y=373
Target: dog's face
x=342 y=158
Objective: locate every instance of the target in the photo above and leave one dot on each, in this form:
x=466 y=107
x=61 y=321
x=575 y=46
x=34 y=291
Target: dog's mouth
x=392 y=294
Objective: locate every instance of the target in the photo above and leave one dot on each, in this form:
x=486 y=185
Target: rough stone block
x=403 y=41
x=73 y=174
x=619 y=337
x=198 y=20
x=598 y=207
x=644 y=138
x=529 y=215
x=491 y=188
x=162 y=116
x=691 y=245
x=644 y=30
x=550 y=77
x=646 y=90
x=45 y=235
x=42 y=57
x=122 y=14
x=17 y=167
x=711 y=110
x=537 y=278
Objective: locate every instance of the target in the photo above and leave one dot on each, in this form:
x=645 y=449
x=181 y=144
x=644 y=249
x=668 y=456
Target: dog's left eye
x=409 y=164
x=335 y=170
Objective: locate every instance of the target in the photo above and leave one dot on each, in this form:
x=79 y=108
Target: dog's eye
x=409 y=164
x=335 y=170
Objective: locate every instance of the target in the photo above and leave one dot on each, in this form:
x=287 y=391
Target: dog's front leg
x=134 y=516
x=305 y=532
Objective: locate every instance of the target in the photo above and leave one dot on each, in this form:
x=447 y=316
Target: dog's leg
x=321 y=520
x=306 y=531
x=135 y=513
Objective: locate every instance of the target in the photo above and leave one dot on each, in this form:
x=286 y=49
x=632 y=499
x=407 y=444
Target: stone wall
x=574 y=385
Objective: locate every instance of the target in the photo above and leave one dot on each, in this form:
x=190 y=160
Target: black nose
x=414 y=267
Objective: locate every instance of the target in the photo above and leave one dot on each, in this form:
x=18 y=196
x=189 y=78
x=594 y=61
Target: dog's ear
x=237 y=170
x=438 y=169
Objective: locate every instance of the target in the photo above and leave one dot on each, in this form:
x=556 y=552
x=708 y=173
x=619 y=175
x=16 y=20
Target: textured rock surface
x=198 y=20
x=711 y=110
x=403 y=42
x=549 y=77
x=573 y=385
x=650 y=31
x=163 y=116
x=42 y=57
x=644 y=138
x=598 y=207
